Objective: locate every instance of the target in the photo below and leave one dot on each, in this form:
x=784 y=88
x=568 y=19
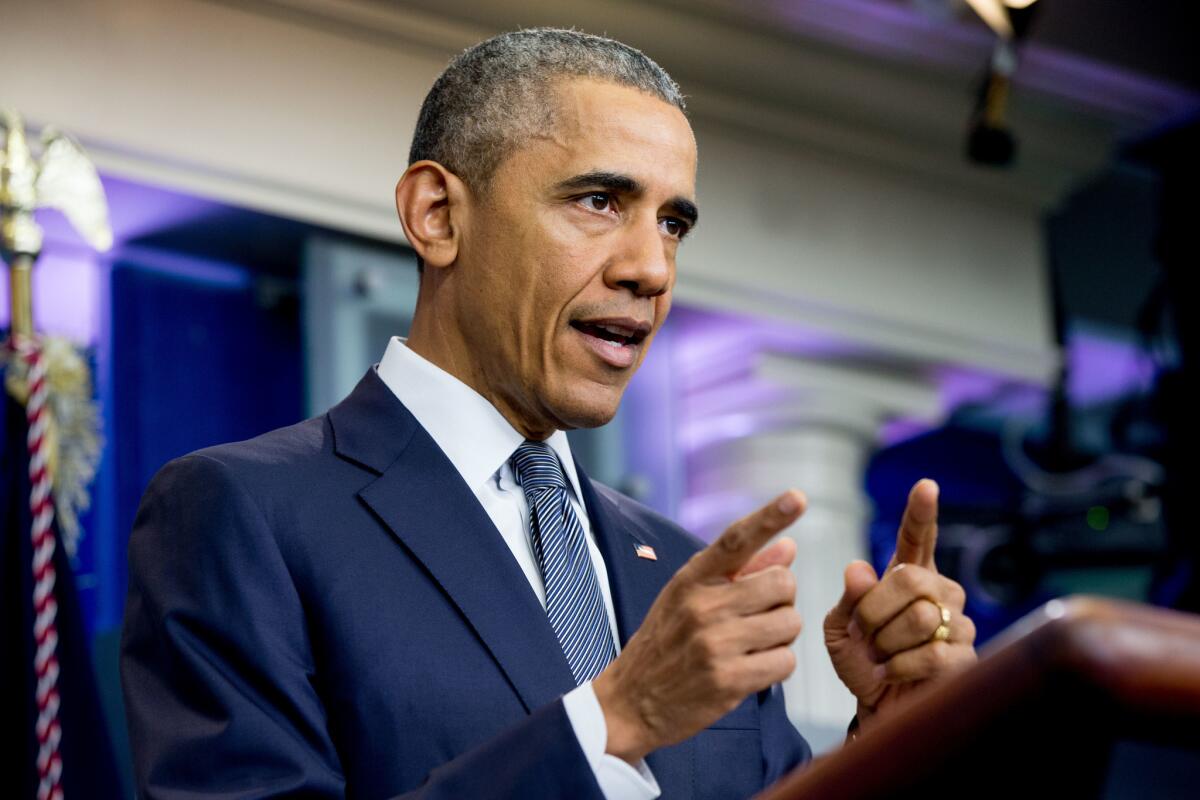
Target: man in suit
x=421 y=592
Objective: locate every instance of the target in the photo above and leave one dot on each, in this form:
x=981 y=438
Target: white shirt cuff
x=618 y=779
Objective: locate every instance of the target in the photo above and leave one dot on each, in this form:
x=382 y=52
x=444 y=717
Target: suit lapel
x=634 y=581
x=425 y=504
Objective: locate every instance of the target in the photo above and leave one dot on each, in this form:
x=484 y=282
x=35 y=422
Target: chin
x=590 y=407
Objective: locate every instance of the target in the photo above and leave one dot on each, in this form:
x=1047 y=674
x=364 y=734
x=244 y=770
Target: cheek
x=569 y=266
x=569 y=249
x=505 y=282
x=538 y=268
x=662 y=306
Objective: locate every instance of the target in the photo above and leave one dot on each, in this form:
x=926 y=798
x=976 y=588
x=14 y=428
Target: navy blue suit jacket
x=327 y=610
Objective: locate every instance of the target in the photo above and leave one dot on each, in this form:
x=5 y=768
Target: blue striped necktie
x=573 y=600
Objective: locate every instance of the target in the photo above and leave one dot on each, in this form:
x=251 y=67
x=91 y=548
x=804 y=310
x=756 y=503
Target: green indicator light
x=1097 y=518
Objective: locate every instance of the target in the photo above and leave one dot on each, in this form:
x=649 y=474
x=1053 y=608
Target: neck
x=441 y=345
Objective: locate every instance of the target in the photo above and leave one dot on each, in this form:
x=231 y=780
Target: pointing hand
x=881 y=635
x=720 y=630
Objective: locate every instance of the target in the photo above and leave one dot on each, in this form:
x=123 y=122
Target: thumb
x=860 y=578
x=781 y=553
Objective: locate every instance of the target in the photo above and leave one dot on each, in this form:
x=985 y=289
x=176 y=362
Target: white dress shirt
x=478 y=440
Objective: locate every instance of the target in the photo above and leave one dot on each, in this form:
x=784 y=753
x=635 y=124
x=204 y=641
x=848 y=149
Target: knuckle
x=883 y=643
x=677 y=587
x=777 y=626
x=782 y=582
x=789 y=583
x=924 y=582
x=910 y=539
x=940 y=656
x=968 y=630
x=926 y=617
x=868 y=620
x=739 y=684
x=733 y=540
x=776 y=665
x=795 y=623
x=907 y=579
x=787 y=662
x=693 y=610
x=955 y=593
x=961 y=658
x=725 y=679
x=688 y=572
x=708 y=646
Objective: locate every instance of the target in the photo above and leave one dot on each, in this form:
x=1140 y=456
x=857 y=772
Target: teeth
x=615 y=330
x=615 y=345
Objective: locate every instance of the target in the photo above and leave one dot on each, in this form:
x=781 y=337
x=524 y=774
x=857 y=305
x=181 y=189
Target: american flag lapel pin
x=645 y=551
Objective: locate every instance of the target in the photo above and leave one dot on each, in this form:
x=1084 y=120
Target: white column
x=812 y=425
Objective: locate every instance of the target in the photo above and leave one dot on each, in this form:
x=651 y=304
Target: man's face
x=567 y=261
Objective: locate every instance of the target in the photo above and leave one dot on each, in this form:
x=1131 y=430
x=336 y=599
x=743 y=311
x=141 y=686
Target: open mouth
x=614 y=340
x=619 y=334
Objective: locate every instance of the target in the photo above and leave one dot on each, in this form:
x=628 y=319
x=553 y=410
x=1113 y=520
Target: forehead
x=602 y=126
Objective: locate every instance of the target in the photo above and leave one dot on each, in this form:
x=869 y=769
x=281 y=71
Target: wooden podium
x=1084 y=698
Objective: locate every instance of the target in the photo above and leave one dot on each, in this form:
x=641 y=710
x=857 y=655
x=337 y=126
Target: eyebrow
x=624 y=184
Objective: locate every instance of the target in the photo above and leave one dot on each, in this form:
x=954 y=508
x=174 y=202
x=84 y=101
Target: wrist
x=627 y=739
x=864 y=717
x=852 y=730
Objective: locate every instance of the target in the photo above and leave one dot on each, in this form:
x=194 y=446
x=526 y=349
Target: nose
x=645 y=261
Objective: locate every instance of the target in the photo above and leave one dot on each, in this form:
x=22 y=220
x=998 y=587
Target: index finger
x=734 y=548
x=917 y=538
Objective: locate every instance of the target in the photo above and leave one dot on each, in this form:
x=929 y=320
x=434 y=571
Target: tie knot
x=536 y=466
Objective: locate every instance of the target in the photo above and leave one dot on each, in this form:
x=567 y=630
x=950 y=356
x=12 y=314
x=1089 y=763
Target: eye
x=675 y=228
x=597 y=201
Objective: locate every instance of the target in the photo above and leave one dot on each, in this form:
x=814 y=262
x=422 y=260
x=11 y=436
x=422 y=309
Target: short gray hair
x=497 y=93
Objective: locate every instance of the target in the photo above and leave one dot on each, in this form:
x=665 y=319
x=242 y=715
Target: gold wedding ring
x=942 y=632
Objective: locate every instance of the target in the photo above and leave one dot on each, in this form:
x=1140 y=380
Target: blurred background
x=940 y=239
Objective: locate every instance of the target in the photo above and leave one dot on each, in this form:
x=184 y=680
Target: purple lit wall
x=697 y=389
x=71 y=298
x=1102 y=368
x=66 y=294
x=69 y=278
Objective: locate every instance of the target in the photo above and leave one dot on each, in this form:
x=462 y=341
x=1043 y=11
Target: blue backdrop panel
x=199 y=356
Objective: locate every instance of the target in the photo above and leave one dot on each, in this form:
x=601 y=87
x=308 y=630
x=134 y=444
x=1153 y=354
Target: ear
x=431 y=202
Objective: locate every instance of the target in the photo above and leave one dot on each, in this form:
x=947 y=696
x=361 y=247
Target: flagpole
x=79 y=194
x=20 y=235
x=20 y=278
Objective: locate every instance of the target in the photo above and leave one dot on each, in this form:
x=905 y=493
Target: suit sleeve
x=219 y=677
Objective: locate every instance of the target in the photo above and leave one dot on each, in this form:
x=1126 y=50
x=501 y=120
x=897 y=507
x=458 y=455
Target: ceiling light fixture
x=995 y=13
x=989 y=141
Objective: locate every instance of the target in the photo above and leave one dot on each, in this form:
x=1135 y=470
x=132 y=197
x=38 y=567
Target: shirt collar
x=476 y=437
